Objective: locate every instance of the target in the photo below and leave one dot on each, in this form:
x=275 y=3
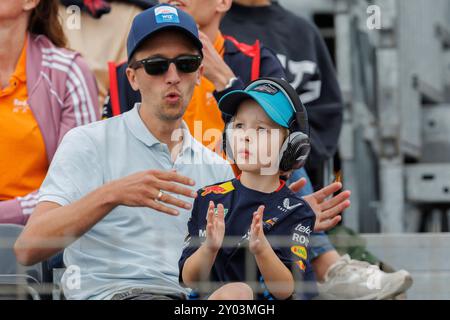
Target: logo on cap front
x=266 y=88
x=166 y=14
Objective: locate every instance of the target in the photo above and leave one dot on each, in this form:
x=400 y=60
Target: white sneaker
x=359 y=280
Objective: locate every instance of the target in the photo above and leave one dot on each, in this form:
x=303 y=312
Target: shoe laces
x=345 y=265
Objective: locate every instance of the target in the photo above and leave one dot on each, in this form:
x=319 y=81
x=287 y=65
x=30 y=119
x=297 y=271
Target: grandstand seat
x=16 y=281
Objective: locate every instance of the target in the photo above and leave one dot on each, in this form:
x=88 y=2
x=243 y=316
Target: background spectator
x=45 y=91
x=102 y=33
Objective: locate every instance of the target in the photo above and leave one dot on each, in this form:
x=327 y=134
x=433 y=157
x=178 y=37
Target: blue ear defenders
x=296 y=147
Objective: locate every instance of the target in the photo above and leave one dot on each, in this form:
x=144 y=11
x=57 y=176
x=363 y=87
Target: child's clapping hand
x=258 y=241
x=215 y=228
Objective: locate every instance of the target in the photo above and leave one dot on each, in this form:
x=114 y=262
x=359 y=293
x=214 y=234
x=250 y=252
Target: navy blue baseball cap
x=159 y=18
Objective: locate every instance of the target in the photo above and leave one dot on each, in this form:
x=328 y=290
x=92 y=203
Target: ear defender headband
x=296 y=147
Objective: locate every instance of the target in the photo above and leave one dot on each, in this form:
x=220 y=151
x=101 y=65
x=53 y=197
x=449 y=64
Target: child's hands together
x=215 y=227
x=258 y=241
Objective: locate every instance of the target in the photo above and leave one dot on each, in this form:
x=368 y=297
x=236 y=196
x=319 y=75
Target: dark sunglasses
x=159 y=65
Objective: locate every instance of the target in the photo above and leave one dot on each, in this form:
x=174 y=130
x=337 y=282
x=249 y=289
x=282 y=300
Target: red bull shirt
x=288 y=223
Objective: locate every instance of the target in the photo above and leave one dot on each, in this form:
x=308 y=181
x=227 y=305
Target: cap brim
x=231 y=101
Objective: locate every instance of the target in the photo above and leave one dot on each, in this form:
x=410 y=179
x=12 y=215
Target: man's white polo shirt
x=130 y=247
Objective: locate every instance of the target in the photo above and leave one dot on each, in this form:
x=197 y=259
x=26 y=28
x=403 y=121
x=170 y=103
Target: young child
x=268 y=130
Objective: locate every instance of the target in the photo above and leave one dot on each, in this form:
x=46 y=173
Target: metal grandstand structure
x=394 y=146
x=395 y=143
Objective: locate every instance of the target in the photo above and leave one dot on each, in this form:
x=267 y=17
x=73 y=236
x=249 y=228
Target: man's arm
x=323 y=100
x=215 y=68
x=53 y=227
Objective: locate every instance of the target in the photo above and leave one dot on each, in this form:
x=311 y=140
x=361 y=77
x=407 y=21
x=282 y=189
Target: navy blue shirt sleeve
x=325 y=113
x=270 y=65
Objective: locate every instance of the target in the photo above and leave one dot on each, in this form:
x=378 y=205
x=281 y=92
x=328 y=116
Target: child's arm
x=277 y=277
x=198 y=266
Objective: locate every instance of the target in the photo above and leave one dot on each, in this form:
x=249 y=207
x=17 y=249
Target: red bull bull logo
x=223 y=188
x=301 y=265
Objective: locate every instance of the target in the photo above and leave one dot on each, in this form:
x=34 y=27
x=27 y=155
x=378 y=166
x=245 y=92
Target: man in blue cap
x=119 y=192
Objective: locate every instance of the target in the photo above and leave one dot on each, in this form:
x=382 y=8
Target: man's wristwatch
x=230 y=83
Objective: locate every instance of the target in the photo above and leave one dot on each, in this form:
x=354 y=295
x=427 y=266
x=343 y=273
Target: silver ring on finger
x=159 y=196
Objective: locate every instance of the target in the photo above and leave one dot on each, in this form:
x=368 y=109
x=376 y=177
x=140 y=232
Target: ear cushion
x=296 y=147
x=294 y=151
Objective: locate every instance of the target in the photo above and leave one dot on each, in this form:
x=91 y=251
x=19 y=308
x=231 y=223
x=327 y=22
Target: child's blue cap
x=276 y=102
x=157 y=18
